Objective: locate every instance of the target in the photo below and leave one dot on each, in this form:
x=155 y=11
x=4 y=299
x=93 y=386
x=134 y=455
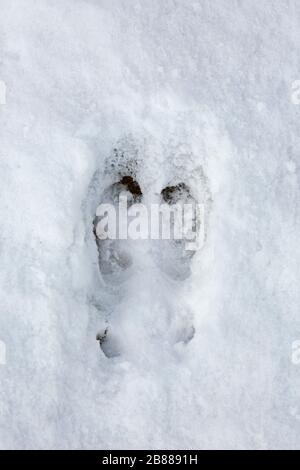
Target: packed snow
x=201 y=92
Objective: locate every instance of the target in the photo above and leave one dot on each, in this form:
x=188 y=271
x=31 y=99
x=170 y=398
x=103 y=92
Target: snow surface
x=193 y=83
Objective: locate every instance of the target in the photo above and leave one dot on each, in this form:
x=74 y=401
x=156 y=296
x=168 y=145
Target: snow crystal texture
x=196 y=88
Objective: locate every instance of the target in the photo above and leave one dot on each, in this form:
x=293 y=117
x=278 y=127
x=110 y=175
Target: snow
x=192 y=84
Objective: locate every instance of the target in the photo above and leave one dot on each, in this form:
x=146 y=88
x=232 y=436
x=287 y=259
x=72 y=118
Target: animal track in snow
x=118 y=260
